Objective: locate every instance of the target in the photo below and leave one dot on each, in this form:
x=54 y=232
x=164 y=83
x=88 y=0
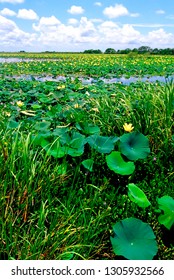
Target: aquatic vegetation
x=77 y=158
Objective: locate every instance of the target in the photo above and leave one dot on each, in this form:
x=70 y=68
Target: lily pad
x=88 y=164
x=134 y=146
x=134 y=240
x=166 y=203
x=116 y=163
x=102 y=144
x=138 y=196
x=53 y=149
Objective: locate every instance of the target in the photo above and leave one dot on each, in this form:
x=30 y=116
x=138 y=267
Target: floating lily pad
x=134 y=240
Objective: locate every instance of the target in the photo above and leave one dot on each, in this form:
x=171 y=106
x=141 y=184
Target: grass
x=54 y=208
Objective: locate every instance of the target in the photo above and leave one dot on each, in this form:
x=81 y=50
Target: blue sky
x=74 y=25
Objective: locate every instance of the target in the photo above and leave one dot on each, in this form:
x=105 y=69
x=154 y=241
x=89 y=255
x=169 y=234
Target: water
x=88 y=81
x=84 y=80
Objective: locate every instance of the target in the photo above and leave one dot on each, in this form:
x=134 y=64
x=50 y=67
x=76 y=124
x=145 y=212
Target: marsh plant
x=83 y=165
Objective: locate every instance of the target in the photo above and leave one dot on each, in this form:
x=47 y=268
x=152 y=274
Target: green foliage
x=88 y=164
x=93 y=51
x=134 y=240
x=134 y=146
x=102 y=144
x=116 y=163
x=57 y=152
x=166 y=204
x=138 y=196
x=110 y=51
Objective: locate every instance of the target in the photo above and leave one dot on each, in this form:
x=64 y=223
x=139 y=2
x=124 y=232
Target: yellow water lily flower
x=128 y=127
x=76 y=105
x=7 y=114
x=20 y=103
x=61 y=87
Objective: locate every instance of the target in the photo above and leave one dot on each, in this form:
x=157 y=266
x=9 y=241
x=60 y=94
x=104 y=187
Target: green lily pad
x=53 y=149
x=102 y=144
x=76 y=145
x=42 y=125
x=166 y=203
x=134 y=146
x=88 y=164
x=12 y=124
x=134 y=240
x=88 y=129
x=116 y=163
x=138 y=196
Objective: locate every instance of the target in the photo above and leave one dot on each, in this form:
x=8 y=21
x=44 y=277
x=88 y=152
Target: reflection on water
x=88 y=81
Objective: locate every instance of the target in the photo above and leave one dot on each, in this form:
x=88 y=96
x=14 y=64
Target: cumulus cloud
x=7 y=12
x=159 y=37
x=72 y=21
x=114 y=34
x=27 y=14
x=47 y=24
x=12 y=1
x=12 y=36
x=49 y=33
x=115 y=11
x=55 y=33
x=76 y=10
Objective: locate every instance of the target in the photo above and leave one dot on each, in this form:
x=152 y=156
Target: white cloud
x=115 y=11
x=159 y=38
x=47 y=24
x=12 y=37
x=7 y=12
x=49 y=33
x=54 y=33
x=112 y=33
x=73 y=21
x=27 y=14
x=160 y=12
x=76 y=10
x=12 y=1
x=99 y=4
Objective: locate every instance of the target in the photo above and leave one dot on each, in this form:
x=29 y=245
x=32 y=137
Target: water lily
x=76 y=105
x=7 y=114
x=20 y=103
x=61 y=87
x=128 y=127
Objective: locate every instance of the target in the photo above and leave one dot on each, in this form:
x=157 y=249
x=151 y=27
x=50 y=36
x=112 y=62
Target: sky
x=74 y=25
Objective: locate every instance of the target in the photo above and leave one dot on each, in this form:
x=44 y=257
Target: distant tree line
x=140 y=50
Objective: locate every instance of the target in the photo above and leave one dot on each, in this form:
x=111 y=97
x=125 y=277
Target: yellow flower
x=20 y=103
x=61 y=87
x=7 y=114
x=76 y=105
x=128 y=127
